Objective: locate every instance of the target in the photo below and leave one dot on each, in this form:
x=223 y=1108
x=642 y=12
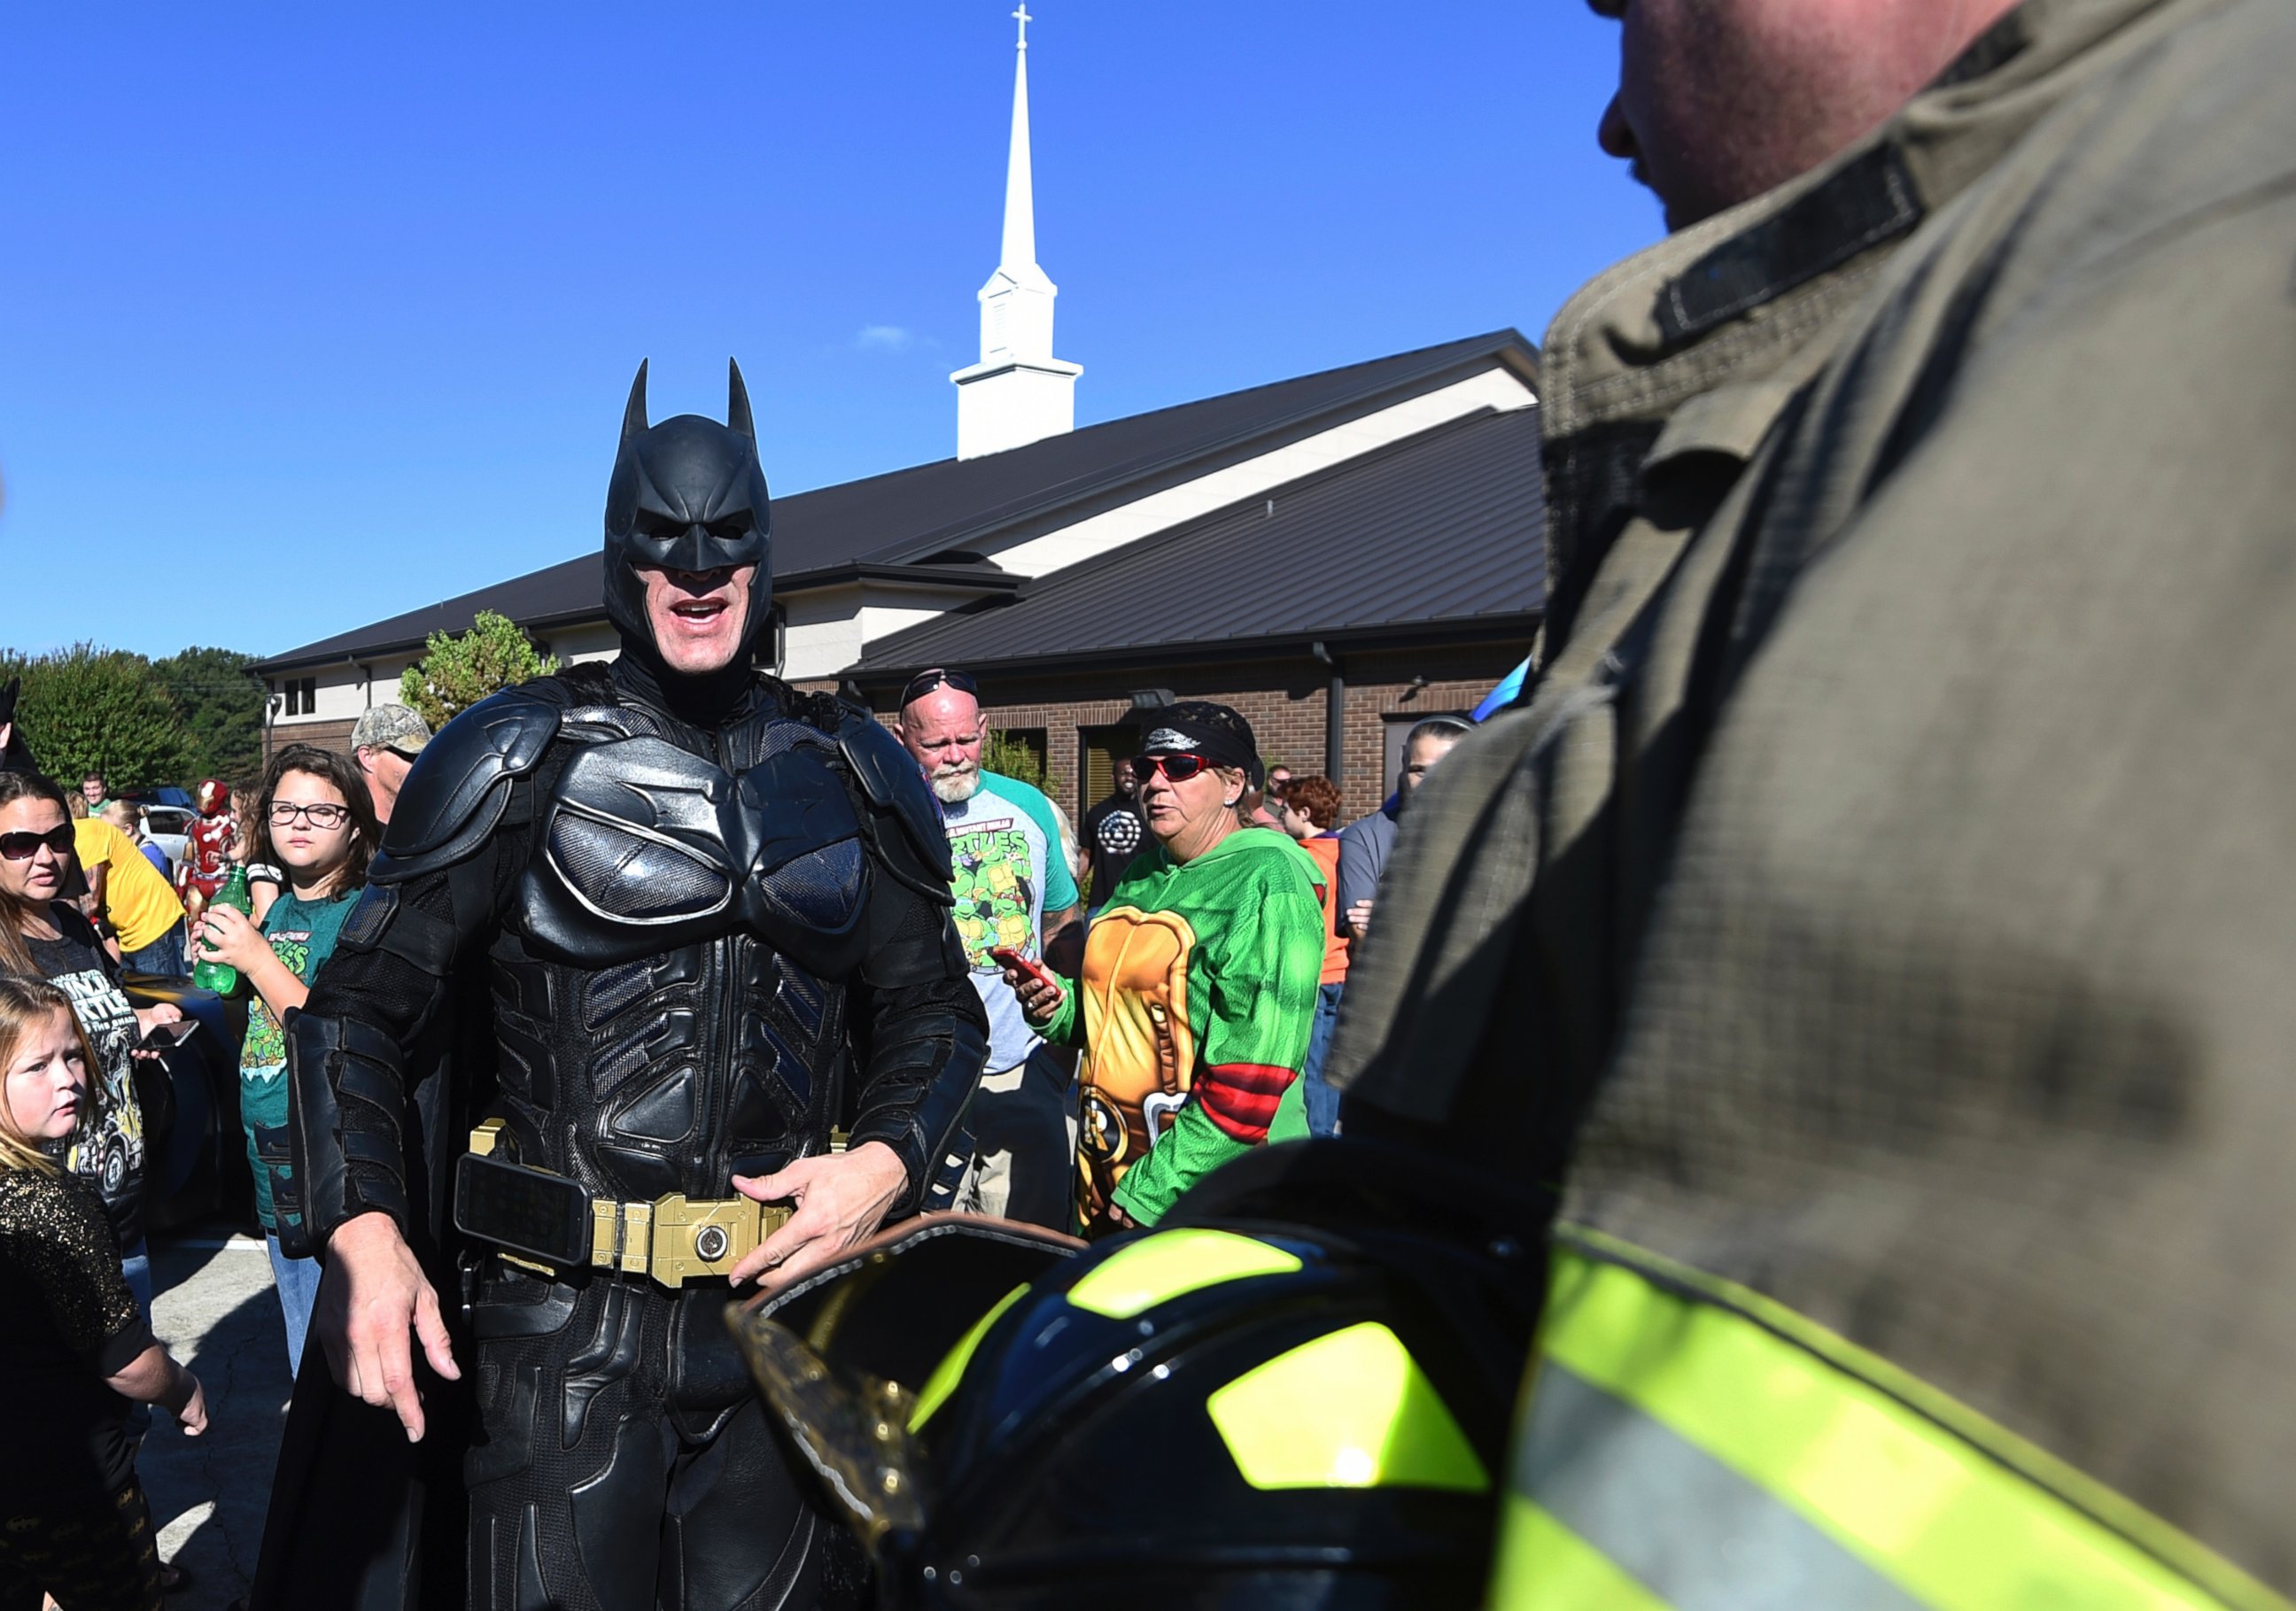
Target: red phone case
x=1010 y=958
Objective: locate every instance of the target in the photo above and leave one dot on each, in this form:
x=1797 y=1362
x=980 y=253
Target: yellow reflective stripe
x=1542 y=1564
x=1605 y=1469
x=1828 y=1429
x=946 y=1375
x=1350 y=1409
x=1171 y=1262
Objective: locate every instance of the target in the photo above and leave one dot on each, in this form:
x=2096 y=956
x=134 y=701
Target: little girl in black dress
x=74 y=1346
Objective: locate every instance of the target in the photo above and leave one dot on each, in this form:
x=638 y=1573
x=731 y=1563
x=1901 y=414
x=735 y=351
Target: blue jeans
x=298 y=1281
x=164 y=955
x=135 y=1264
x=1322 y=1103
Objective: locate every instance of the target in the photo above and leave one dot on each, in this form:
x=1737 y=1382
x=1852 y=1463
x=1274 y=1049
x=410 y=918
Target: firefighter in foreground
x=1874 y=925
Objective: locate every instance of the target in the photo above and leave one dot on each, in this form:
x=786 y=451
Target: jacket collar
x=1738 y=311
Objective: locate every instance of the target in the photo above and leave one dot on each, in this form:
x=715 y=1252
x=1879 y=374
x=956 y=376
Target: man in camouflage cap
x=385 y=743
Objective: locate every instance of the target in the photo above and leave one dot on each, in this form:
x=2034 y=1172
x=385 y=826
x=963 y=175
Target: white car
x=167 y=826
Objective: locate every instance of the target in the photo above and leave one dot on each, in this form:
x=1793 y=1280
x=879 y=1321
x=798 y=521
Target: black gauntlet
x=346 y=1091
x=923 y=1060
x=920 y=1034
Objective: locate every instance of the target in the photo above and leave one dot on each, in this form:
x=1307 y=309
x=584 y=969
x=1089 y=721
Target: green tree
x=455 y=673
x=222 y=710
x=1013 y=756
x=87 y=709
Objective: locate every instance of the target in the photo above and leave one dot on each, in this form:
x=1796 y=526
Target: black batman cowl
x=687 y=495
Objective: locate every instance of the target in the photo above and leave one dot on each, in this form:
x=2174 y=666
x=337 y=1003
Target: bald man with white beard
x=1015 y=889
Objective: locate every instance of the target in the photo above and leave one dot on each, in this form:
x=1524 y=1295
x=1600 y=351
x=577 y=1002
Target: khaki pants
x=1024 y=1133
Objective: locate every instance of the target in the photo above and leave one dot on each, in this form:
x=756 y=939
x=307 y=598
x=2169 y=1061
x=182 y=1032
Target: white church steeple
x=1017 y=393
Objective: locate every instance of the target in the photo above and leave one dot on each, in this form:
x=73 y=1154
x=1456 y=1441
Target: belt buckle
x=676 y=1238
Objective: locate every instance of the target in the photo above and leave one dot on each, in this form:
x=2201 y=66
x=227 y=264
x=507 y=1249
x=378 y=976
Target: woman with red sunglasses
x=1199 y=980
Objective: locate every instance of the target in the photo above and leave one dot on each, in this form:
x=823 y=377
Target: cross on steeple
x=1018 y=392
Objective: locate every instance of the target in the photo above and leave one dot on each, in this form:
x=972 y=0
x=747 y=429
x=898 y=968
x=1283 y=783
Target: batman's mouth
x=700 y=611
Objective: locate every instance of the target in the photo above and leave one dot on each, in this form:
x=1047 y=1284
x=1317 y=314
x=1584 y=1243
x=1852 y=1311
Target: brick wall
x=327 y=735
x=1283 y=700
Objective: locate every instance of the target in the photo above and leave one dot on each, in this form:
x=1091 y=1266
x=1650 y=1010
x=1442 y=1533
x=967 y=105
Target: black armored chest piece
x=641 y=845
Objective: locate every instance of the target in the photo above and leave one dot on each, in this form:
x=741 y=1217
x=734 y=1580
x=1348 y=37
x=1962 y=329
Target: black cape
x=360 y=1518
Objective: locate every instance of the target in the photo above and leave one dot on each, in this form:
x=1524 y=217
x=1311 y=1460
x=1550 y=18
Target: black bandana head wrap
x=1214 y=731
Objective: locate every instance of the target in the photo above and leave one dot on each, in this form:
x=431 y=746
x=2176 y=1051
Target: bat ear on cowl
x=633 y=416
x=737 y=404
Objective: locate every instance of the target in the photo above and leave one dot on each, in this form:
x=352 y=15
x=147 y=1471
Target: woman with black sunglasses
x=1199 y=980
x=44 y=935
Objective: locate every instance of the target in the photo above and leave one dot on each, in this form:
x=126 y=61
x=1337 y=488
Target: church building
x=1337 y=555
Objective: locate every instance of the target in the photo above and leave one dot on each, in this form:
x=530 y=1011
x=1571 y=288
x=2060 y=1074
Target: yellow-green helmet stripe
x=946 y=1375
x=1350 y=1409
x=1158 y=1268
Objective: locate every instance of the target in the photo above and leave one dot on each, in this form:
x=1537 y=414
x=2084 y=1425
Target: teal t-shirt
x=302 y=935
x=1010 y=872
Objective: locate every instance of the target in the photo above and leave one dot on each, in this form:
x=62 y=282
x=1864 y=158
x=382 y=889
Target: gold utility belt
x=547 y=1222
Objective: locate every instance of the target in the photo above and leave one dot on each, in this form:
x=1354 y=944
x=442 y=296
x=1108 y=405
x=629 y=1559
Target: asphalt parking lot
x=212 y=1305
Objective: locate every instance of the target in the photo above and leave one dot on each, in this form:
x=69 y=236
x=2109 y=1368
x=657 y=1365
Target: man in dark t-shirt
x=1113 y=832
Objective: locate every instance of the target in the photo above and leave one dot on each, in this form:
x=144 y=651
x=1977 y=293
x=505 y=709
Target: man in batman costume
x=713 y=919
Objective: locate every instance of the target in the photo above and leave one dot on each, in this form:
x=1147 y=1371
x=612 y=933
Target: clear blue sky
x=313 y=313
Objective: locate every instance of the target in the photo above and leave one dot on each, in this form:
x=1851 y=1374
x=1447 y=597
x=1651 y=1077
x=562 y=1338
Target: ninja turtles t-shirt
x=109 y=1146
x=1009 y=872
x=302 y=935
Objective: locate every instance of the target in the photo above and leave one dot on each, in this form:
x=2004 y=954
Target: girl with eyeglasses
x=314 y=821
x=44 y=935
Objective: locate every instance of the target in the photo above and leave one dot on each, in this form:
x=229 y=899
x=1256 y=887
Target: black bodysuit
x=710 y=934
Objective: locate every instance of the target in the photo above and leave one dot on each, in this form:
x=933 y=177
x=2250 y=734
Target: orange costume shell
x=1137 y=1072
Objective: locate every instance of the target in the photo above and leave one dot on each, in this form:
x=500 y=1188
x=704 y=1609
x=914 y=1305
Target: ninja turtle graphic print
x=109 y=1146
x=302 y=935
x=1198 y=996
x=1009 y=873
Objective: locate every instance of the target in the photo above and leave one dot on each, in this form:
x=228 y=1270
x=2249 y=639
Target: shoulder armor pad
x=825 y=711
x=888 y=775
x=454 y=794
x=583 y=683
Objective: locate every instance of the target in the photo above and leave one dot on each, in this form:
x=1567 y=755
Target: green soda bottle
x=222 y=978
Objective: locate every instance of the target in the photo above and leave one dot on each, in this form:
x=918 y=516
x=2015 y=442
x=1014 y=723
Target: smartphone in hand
x=166 y=1037
x=1028 y=967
